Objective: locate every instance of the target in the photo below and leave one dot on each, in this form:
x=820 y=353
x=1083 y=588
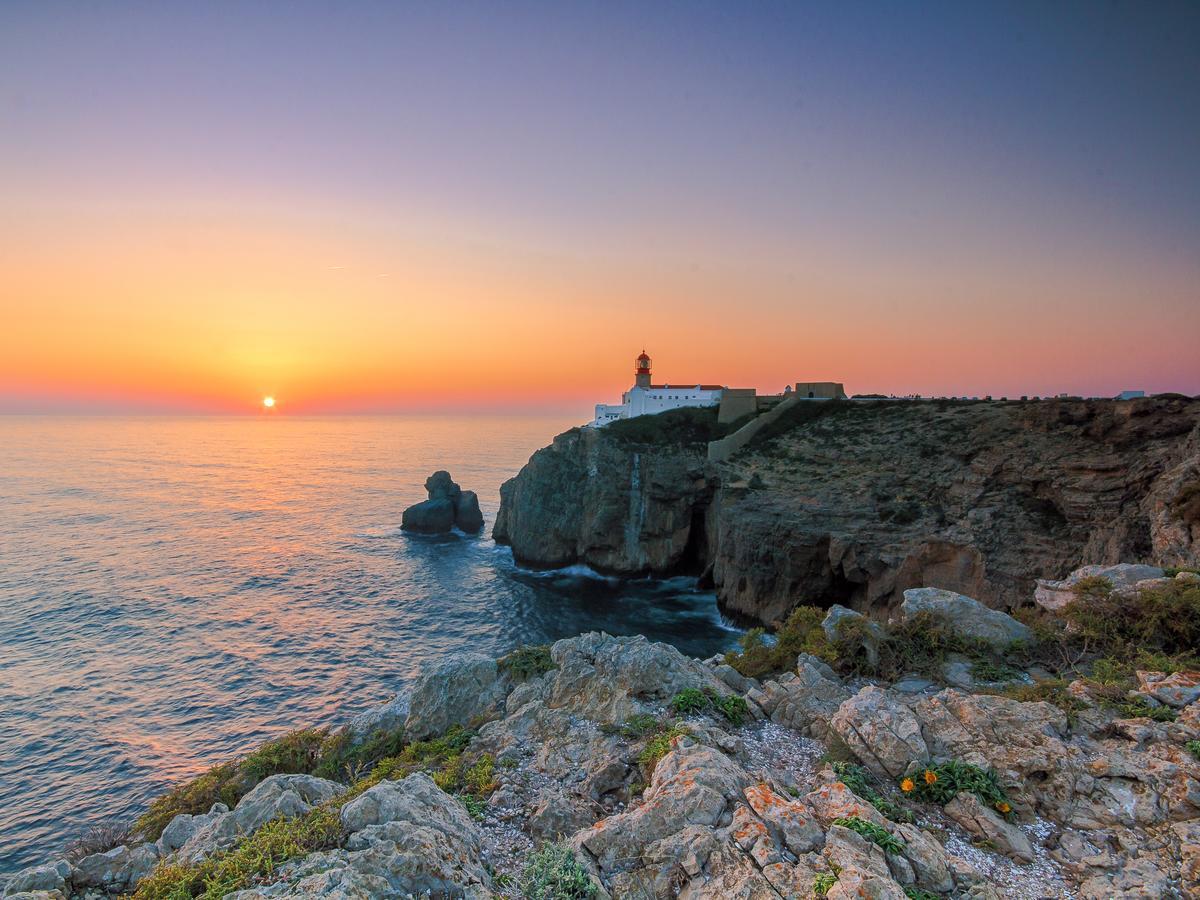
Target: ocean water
x=175 y=591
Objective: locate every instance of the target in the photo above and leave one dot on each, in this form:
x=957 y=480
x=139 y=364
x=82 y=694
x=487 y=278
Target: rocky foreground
x=855 y=502
x=612 y=766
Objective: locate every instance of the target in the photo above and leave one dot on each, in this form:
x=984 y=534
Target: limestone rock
x=967 y=616
x=969 y=812
x=881 y=731
x=453 y=691
x=609 y=679
x=980 y=499
x=1054 y=595
x=116 y=870
x=448 y=506
x=52 y=877
x=183 y=827
x=1178 y=689
x=279 y=795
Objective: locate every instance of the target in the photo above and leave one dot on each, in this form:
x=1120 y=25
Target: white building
x=645 y=398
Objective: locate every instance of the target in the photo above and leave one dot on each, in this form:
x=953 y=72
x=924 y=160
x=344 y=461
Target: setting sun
x=268 y=402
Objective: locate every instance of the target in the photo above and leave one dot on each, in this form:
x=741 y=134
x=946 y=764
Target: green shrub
x=875 y=833
x=733 y=708
x=1137 y=708
x=915 y=893
x=639 y=725
x=943 y=782
x=923 y=644
x=801 y=633
x=1162 y=619
x=822 y=883
x=1193 y=747
x=658 y=746
x=690 y=701
x=1053 y=691
x=295 y=753
x=252 y=861
x=220 y=784
x=687 y=427
x=862 y=783
x=553 y=873
x=526 y=662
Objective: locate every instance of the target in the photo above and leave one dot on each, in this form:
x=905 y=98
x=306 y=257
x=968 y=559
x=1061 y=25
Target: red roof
x=643 y=356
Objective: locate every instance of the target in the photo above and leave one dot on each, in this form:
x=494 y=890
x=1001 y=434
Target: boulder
x=278 y=795
x=870 y=637
x=467 y=516
x=881 y=731
x=966 y=616
x=440 y=486
x=1178 y=689
x=181 y=828
x=429 y=517
x=969 y=812
x=116 y=870
x=448 y=506
x=1054 y=595
x=610 y=679
x=414 y=800
x=453 y=691
x=53 y=877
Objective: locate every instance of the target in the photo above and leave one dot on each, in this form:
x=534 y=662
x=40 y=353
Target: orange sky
x=191 y=226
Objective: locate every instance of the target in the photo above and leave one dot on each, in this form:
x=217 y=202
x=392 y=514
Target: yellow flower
x=1004 y=807
x=906 y=785
x=930 y=777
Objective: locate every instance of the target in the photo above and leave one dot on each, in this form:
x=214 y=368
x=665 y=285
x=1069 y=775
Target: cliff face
x=861 y=501
x=622 y=508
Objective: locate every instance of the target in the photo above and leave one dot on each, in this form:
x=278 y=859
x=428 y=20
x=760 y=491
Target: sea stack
x=448 y=506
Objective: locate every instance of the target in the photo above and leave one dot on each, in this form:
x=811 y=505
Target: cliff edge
x=853 y=502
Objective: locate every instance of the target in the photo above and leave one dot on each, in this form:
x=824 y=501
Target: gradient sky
x=374 y=207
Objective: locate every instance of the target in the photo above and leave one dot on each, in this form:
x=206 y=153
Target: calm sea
x=175 y=591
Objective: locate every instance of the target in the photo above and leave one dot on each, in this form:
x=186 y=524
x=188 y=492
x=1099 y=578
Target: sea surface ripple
x=175 y=591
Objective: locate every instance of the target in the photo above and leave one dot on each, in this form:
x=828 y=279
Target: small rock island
x=448 y=506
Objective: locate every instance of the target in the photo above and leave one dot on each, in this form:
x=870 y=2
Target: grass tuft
x=554 y=873
x=876 y=834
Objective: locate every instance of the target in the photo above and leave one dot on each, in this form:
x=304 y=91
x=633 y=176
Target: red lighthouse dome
x=642 y=371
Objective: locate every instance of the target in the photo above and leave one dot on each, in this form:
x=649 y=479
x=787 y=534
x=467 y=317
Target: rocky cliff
x=616 y=768
x=853 y=502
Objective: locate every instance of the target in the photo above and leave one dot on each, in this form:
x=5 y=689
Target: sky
x=379 y=207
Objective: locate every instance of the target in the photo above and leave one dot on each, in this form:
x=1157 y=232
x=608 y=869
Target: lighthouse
x=642 y=372
x=646 y=398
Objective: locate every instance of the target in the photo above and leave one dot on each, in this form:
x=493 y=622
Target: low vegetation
x=554 y=873
x=658 y=746
x=876 y=834
x=943 y=782
x=693 y=701
x=1193 y=747
x=311 y=751
x=526 y=662
x=822 y=884
x=99 y=838
x=758 y=657
x=695 y=426
x=471 y=777
x=864 y=784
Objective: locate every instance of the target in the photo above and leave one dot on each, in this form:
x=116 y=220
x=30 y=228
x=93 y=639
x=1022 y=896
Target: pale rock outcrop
x=881 y=731
x=1178 y=689
x=53 y=877
x=1054 y=595
x=968 y=617
x=116 y=870
x=279 y=795
x=183 y=827
x=692 y=785
x=453 y=691
x=804 y=700
x=864 y=869
x=969 y=812
x=610 y=679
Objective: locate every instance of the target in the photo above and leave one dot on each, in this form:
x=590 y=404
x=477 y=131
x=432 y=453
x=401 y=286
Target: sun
x=268 y=402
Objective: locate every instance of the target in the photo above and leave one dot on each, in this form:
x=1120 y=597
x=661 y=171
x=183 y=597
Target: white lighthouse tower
x=645 y=397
